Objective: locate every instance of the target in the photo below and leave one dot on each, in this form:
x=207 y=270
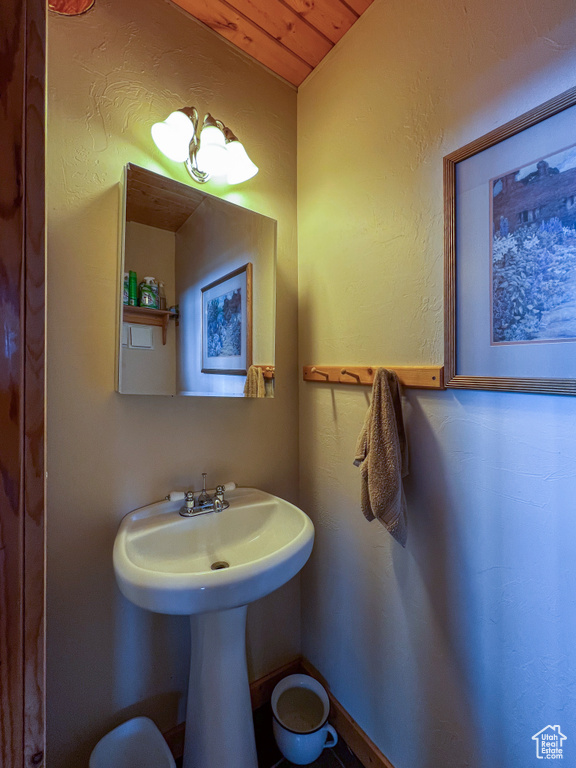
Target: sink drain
x=219 y=564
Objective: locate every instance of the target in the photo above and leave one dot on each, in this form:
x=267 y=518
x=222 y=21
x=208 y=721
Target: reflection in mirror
x=205 y=324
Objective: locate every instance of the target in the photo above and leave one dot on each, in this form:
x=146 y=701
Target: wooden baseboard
x=260 y=693
x=362 y=746
x=175 y=740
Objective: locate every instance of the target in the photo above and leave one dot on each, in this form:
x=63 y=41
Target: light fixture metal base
x=191 y=165
x=200 y=176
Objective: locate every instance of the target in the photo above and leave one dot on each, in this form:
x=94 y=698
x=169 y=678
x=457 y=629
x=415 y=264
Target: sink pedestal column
x=219 y=725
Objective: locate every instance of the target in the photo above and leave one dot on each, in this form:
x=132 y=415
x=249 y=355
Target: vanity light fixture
x=212 y=151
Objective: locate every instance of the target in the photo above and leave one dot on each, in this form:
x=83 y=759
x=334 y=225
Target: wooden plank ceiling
x=290 y=37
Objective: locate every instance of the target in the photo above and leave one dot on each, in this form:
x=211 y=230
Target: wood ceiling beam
x=286 y=26
x=249 y=37
x=290 y=37
x=332 y=19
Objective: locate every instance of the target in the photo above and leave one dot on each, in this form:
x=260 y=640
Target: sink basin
x=187 y=565
x=210 y=567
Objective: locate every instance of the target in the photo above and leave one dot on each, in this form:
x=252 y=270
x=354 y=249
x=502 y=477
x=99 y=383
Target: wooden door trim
x=22 y=398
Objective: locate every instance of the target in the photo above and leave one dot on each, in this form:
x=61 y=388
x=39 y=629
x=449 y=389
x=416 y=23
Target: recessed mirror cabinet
x=214 y=314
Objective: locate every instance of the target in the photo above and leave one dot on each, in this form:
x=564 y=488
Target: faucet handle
x=190 y=501
x=220 y=502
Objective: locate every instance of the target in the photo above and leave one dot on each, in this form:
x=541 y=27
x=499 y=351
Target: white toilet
x=137 y=743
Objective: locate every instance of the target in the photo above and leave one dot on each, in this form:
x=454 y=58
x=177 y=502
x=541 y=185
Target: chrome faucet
x=204 y=503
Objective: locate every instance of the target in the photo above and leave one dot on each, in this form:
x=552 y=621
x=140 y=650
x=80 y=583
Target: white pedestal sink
x=210 y=567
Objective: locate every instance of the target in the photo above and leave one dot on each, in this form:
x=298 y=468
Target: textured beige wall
x=456 y=650
x=111 y=73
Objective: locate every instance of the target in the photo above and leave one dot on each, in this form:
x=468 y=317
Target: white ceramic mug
x=300 y=706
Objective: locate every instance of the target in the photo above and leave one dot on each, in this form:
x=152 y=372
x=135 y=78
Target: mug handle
x=331 y=737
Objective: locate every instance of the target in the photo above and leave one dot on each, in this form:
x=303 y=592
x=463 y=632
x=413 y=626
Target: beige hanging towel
x=382 y=455
x=255 y=386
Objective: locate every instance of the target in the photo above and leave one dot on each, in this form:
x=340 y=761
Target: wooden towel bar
x=268 y=371
x=425 y=377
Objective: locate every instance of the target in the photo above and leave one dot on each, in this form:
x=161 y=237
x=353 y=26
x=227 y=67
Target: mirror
x=210 y=312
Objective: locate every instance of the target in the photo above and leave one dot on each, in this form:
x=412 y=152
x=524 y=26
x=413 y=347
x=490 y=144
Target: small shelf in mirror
x=148 y=316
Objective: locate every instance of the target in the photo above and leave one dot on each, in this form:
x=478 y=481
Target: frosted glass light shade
x=212 y=156
x=173 y=136
x=210 y=151
x=240 y=167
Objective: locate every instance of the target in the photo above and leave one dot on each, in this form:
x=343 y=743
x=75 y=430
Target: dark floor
x=269 y=756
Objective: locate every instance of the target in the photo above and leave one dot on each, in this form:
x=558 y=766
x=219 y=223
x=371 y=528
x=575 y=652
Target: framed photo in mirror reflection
x=227 y=323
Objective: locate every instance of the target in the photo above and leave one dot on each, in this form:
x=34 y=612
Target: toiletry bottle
x=155 y=287
x=132 y=289
x=126 y=293
x=146 y=294
x=161 y=295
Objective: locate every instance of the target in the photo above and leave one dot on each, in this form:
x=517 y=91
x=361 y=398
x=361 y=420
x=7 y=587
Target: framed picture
x=227 y=323
x=510 y=255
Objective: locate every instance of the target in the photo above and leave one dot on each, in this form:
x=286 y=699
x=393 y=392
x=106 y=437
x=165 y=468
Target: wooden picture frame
x=514 y=162
x=227 y=323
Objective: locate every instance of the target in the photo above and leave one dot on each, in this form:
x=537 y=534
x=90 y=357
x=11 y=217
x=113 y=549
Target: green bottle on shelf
x=132 y=289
